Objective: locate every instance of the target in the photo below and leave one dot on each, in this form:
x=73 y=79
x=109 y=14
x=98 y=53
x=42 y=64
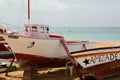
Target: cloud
x=50 y=5
x=63 y=12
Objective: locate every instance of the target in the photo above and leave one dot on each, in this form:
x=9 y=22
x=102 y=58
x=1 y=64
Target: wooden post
x=30 y=74
x=71 y=58
x=9 y=67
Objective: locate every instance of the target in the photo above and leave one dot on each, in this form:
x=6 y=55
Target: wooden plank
x=30 y=74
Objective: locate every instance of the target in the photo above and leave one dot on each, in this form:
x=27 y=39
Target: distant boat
x=6 y=55
x=100 y=62
x=5 y=51
x=37 y=48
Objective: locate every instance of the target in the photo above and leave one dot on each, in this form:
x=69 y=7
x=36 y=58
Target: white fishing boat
x=37 y=48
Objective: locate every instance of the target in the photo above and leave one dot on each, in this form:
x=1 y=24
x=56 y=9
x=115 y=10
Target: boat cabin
x=37 y=30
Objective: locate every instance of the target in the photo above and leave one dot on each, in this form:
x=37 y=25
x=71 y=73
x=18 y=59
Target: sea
x=111 y=34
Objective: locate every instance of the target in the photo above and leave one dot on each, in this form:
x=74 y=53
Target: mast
x=28 y=11
x=29 y=30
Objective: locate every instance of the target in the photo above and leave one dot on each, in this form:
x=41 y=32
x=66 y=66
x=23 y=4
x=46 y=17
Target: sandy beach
x=57 y=73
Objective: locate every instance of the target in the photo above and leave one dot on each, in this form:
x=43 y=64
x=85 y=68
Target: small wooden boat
x=5 y=51
x=100 y=62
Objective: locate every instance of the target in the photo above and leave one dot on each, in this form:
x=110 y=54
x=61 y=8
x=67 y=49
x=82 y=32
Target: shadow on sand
x=56 y=74
x=2 y=78
x=45 y=74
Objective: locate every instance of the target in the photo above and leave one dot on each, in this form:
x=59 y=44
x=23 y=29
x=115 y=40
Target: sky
x=63 y=13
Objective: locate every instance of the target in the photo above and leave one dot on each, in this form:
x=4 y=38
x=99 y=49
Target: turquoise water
x=89 y=33
x=84 y=33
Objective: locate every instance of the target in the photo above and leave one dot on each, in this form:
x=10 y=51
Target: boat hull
x=99 y=62
x=36 y=46
x=105 y=70
x=40 y=52
x=28 y=61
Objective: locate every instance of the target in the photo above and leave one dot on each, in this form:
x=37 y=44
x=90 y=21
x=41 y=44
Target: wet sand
x=58 y=73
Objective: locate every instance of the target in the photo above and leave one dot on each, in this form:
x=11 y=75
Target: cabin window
x=34 y=29
x=42 y=29
x=47 y=29
x=26 y=29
